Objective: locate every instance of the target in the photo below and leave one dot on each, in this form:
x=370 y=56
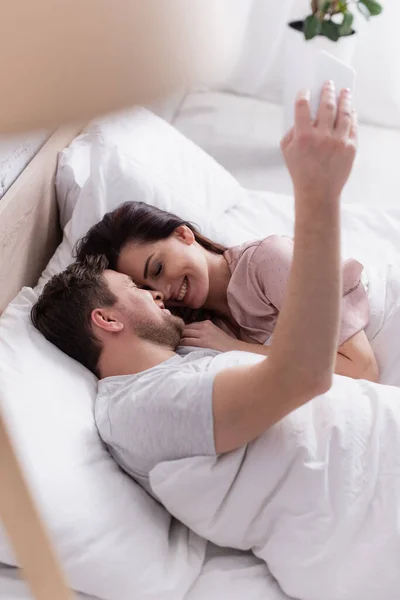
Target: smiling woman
x=166 y=255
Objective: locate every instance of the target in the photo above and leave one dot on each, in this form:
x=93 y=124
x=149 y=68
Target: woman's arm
x=356 y=359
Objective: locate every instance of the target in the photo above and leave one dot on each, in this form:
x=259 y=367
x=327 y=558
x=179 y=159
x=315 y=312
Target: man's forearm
x=306 y=334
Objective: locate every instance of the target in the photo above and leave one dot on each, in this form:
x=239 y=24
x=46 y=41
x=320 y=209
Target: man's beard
x=167 y=333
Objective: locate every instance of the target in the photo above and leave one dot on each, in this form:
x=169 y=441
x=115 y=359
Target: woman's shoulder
x=235 y=253
x=249 y=291
x=258 y=249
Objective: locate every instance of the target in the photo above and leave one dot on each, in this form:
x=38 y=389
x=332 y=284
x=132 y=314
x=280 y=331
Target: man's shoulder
x=186 y=364
x=191 y=353
x=184 y=360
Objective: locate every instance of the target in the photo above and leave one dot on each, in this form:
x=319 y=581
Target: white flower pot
x=301 y=60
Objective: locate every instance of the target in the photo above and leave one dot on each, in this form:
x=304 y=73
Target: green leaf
x=346 y=26
x=331 y=30
x=373 y=7
x=312 y=27
x=326 y=6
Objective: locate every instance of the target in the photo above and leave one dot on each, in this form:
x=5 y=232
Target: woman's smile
x=183 y=290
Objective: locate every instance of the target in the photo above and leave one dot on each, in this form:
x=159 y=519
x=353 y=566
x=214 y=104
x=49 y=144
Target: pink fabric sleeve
x=271 y=263
x=355 y=304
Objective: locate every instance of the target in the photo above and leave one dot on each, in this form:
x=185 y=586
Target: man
x=155 y=404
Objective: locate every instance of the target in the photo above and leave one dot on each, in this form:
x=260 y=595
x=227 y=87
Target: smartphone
x=330 y=68
x=307 y=70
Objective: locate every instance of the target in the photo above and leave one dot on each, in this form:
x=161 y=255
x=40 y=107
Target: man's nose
x=157 y=296
x=166 y=292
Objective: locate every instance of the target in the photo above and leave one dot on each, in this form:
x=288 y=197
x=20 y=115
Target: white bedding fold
x=317 y=496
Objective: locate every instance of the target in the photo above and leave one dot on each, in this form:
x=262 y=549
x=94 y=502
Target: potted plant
x=334 y=19
x=328 y=28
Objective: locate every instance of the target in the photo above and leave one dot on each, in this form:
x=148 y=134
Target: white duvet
x=318 y=496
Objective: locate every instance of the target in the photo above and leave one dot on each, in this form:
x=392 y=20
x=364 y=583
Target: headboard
x=29 y=226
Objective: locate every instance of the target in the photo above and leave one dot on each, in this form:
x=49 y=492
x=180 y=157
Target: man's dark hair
x=63 y=311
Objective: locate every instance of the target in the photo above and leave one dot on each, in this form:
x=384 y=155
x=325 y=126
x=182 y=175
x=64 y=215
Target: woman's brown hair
x=134 y=222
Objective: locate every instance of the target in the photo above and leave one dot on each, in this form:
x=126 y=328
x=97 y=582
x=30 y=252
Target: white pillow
x=139 y=156
x=73 y=170
x=114 y=541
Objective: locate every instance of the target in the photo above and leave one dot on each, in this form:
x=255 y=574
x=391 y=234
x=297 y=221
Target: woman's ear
x=185 y=234
x=105 y=320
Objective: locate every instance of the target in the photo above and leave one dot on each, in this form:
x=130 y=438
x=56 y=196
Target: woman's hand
x=207 y=335
x=356 y=359
x=320 y=155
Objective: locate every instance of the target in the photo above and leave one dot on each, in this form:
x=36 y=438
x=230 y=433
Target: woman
x=242 y=287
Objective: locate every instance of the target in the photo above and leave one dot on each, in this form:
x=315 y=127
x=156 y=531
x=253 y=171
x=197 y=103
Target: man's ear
x=185 y=234
x=106 y=320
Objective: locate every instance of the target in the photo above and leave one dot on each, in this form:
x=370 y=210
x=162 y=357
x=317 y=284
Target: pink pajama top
x=255 y=294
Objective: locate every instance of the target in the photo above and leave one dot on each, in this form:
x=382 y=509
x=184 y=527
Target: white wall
x=263 y=26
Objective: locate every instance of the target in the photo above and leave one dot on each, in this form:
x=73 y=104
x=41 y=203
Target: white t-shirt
x=164 y=413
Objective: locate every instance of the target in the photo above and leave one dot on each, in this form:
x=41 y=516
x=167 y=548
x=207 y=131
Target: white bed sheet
x=231 y=575
x=226 y=575
x=243 y=135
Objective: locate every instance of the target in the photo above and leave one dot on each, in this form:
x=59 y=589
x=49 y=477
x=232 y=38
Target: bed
x=132 y=152
x=226 y=574
x=241 y=133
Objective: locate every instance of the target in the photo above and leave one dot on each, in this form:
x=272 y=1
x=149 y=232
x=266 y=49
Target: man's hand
x=320 y=155
x=207 y=335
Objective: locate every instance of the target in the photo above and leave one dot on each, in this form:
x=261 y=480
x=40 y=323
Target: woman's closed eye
x=157 y=270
